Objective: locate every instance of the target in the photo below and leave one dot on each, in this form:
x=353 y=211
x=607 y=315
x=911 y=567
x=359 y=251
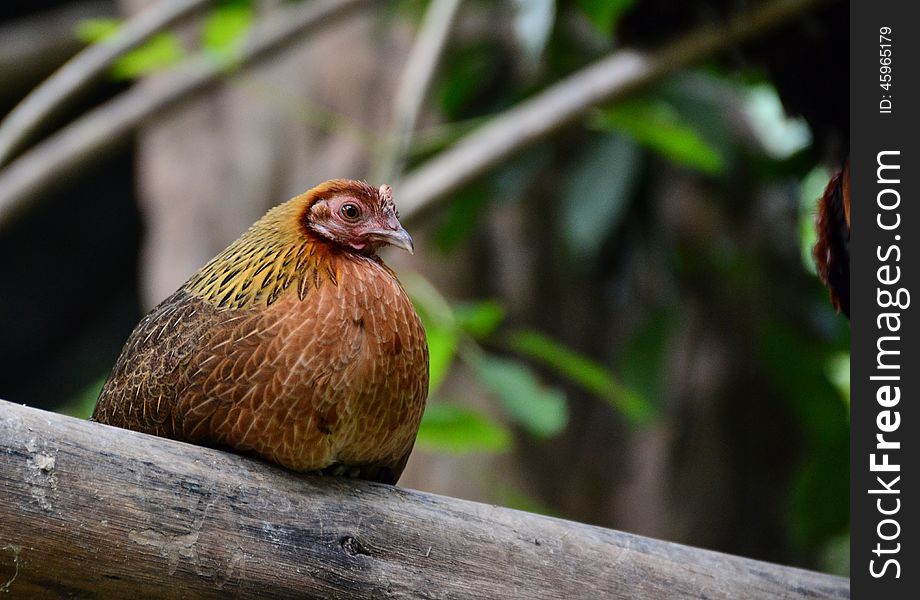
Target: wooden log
x=90 y=511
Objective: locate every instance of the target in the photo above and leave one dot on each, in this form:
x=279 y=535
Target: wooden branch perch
x=93 y=511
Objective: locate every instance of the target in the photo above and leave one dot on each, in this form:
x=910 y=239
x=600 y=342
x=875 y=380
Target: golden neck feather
x=272 y=257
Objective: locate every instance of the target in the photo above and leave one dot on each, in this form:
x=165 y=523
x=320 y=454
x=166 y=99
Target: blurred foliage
x=225 y=28
x=598 y=191
x=798 y=369
x=811 y=188
x=159 y=52
x=659 y=127
x=540 y=409
x=222 y=34
x=781 y=135
x=838 y=373
x=835 y=556
x=459 y=331
x=604 y=14
x=642 y=361
x=479 y=319
x=82 y=405
x=468 y=69
x=454 y=429
x=690 y=122
x=452 y=333
x=586 y=373
x=461 y=217
x=508 y=495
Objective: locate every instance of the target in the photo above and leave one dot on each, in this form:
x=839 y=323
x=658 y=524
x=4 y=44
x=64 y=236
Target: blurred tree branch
x=413 y=87
x=105 y=127
x=80 y=72
x=609 y=79
x=34 y=46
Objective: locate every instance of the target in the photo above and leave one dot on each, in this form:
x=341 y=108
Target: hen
x=296 y=344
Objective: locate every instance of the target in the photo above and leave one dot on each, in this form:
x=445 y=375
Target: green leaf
x=657 y=126
x=700 y=99
x=457 y=430
x=159 y=52
x=597 y=191
x=605 y=14
x=540 y=409
x=162 y=51
x=442 y=347
x=91 y=31
x=440 y=325
x=225 y=29
x=585 y=372
x=479 y=319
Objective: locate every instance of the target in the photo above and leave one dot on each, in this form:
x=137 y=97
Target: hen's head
x=356 y=216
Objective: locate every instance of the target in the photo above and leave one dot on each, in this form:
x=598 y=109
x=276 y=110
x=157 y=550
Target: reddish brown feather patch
x=832 y=248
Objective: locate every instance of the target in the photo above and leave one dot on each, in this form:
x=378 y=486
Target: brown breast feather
x=339 y=377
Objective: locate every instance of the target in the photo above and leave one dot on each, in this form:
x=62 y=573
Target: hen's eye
x=349 y=211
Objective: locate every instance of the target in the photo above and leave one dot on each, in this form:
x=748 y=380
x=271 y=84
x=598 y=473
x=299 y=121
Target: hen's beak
x=398 y=237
